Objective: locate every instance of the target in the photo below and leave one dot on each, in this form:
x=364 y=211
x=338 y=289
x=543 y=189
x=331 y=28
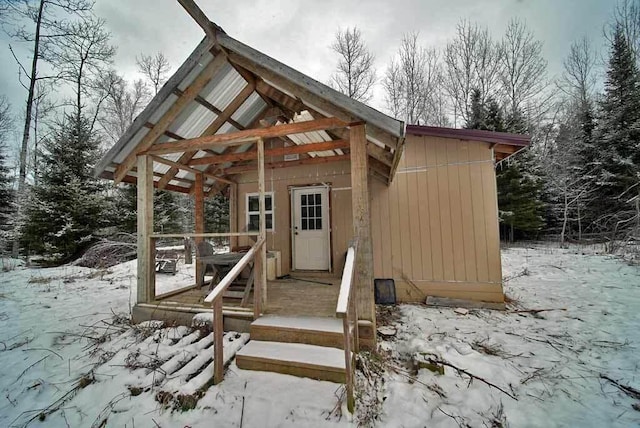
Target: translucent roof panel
x=224 y=87
x=249 y=110
x=192 y=121
x=163 y=108
x=205 y=59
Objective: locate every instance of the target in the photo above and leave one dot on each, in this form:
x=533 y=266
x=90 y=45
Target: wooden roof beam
x=279 y=97
x=206 y=104
x=286 y=164
x=315 y=101
x=188 y=168
x=211 y=129
x=281 y=151
x=199 y=16
x=246 y=136
x=165 y=121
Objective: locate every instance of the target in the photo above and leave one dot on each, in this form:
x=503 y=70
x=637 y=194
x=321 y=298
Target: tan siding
x=423 y=212
x=467 y=213
x=279 y=181
x=479 y=223
x=435 y=227
x=457 y=237
x=445 y=210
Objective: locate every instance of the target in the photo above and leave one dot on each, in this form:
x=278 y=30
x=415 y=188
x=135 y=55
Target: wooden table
x=222 y=263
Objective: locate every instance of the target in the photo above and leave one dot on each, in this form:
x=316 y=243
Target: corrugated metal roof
x=216 y=95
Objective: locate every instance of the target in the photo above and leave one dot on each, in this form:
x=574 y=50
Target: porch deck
x=302 y=296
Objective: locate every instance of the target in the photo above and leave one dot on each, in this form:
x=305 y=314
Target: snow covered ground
x=62 y=347
x=552 y=362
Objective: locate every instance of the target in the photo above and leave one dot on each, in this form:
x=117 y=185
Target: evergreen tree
x=170 y=213
x=216 y=211
x=518 y=180
x=619 y=137
x=7 y=202
x=65 y=208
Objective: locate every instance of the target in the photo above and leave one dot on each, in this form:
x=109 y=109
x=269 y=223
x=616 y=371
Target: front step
x=316 y=362
x=308 y=330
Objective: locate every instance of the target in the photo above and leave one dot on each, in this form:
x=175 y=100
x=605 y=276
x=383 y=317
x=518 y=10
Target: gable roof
x=226 y=86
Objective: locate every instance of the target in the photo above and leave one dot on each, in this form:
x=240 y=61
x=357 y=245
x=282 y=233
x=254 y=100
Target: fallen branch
x=629 y=390
x=535 y=311
x=471 y=375
x=25 y=370
x=44 y=349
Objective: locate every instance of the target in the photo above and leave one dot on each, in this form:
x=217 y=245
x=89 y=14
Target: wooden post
x=146 y=254
x=260 y=263
x=362 y=231
x=233 y=214
x=198 y=197
x=218 y=332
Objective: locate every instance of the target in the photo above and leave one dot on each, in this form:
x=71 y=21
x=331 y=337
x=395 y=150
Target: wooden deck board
x=285 y=297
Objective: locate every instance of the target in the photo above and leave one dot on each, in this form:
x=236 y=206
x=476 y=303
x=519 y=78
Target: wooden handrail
x=348 y=311
x=222 y=286
x=345 y=284
x=215 y=297
x=202 y=235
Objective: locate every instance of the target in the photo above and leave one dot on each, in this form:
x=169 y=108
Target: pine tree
x=7 y=202
x=65 y=208
x=619 y=137
x=518 y=179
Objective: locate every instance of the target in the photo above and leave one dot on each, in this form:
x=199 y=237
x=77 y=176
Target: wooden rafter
x=206 y=104
x=279 y=97
x=286 y=164
x=280 y=151
x=176 y=108
x=167 y=132
x=133 y=180
x=246 y=136
x=377 y=152
x=316 y=101
x=188 y=168
x=211 y=129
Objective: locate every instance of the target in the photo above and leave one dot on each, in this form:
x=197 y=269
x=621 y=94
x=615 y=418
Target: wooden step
x=320 y=331
x=297 y=359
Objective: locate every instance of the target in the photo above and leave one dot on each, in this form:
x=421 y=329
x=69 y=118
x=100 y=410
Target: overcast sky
x=299 y=32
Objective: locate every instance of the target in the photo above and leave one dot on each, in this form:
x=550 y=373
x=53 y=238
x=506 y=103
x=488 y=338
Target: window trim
x=266 y=211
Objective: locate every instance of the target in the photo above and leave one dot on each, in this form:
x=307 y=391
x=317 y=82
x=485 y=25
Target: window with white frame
x=253 y=211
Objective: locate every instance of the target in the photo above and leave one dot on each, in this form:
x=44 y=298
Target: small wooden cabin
x=342 y=192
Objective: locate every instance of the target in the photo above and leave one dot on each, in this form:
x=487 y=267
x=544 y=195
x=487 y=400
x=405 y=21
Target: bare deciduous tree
x=472 y=61
x=154 y=68
x=123 y=103
x=82 y=57
x=626 y=16
x=523 y=71
x=410 y=80
x=6 y=120
x=579 y=78
x=355 y=74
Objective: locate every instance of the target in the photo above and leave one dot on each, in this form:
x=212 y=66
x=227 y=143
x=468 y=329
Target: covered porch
x=295 y=159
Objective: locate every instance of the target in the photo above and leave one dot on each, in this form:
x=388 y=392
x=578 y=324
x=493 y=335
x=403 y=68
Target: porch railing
x=348 y=311
x=215 y=298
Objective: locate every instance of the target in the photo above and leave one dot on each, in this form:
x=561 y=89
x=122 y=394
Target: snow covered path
x=551 y=361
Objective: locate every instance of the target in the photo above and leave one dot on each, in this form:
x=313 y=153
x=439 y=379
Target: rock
x=461 y=311
x=386 y=331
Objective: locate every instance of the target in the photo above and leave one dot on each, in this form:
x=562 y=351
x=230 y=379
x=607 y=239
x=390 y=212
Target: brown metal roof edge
x=507 y=138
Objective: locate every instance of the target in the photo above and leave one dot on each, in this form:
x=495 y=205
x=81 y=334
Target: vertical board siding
x=436 y=226
x=279 y=181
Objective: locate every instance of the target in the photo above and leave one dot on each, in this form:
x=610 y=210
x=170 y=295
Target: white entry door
x=310 y=220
